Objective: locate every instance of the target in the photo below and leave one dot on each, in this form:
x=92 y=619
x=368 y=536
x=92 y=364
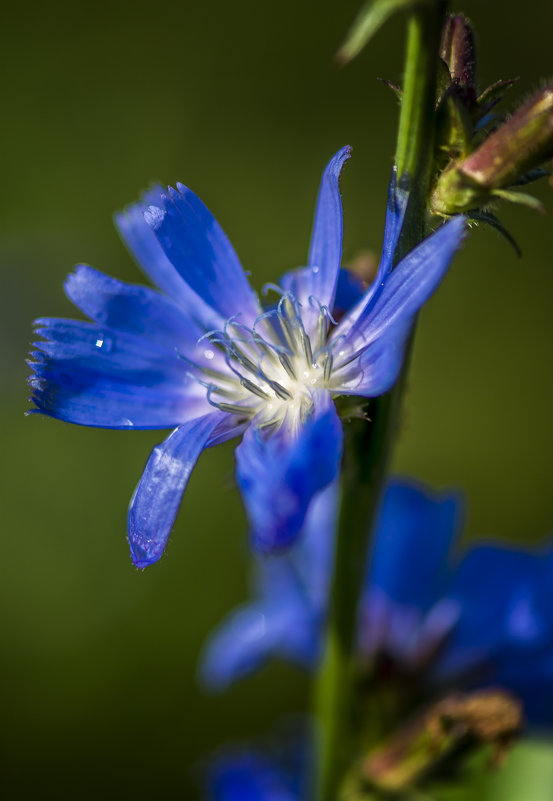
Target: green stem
x=368 y=448
x=415 y=140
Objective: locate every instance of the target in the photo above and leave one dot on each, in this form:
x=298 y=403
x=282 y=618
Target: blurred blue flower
x=249 y=776
x=484 y=618
x=203 y=357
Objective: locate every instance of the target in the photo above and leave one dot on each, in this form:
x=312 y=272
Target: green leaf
x=371 y=17
x=527 y=775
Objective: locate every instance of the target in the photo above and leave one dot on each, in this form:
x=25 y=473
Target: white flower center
x=273 y=368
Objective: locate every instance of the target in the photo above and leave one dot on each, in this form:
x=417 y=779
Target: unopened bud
x=523 y=142
x=458 y=52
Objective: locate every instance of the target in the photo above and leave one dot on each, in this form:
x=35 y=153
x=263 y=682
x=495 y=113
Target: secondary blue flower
x=203 y=357
x=484 y=619
x=247 y=775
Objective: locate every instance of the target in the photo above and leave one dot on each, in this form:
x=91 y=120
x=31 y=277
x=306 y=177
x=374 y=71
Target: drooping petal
x=96 y=376
x=144 y=246
x=156 y=500
x=196 y=245
x=405 y=289
x=279 y=474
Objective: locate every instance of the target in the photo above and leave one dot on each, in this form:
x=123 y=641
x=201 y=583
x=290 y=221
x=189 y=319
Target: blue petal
x=506 y=596
x=140 y=311
x=144 y=246
x=395 y=215
x=156 y=500
x=325 y=253
x=402 y=613
x=248 y=637
x=415 y=528
x=279 y=474
x=91 y=375
x=246 y=776
x=375 y=371
x=196 y=245
x=349 y=290
x=285 y=619
x=315 y=285
x=405 y=289
x=312 y=556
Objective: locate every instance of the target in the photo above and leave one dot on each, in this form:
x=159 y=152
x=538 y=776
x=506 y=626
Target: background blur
x=240 y=101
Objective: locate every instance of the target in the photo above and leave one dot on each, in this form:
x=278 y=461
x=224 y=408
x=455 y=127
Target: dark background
x=240 y=101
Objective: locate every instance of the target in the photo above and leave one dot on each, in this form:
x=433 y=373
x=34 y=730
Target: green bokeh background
x=241 y=102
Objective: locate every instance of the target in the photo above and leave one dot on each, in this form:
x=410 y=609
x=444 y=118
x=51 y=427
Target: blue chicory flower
x=203 y=357
x=481 y=619
x=247 y=775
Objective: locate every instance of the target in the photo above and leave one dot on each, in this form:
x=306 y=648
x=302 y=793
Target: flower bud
x=523 y=142
x=451 y=728
x=458 y=52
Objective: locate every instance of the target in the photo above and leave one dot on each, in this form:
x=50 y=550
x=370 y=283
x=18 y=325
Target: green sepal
x=521 y=198
x=488 y=218
x=368 y=21
x=395 y=89
x=494 y=93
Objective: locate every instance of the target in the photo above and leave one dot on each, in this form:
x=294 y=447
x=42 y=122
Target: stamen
x=232 y=408
x=247 y=384
x=287 y=364
x=242 y=358
x=266 y=288
x=324 y=309
x=279 y=390
x=306 y=344
x=322 y=328
x=213 y=388
x=325 y=360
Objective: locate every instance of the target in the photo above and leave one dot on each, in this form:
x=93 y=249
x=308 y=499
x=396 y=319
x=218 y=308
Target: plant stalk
x=368 y=446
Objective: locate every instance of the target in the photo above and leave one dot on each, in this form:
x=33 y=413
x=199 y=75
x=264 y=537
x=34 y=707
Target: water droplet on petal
x=105 y=344
x=315 y=270
x=209 y=354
